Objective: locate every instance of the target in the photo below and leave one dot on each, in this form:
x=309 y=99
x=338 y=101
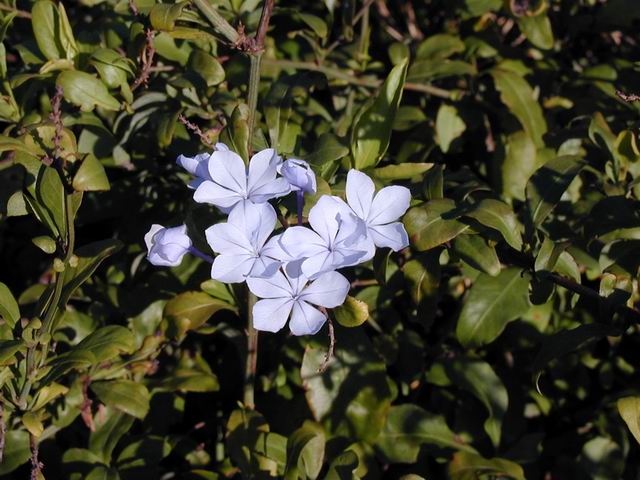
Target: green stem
x=252 y=97
x=218 y=21
x=362 y=82
x=252 y=354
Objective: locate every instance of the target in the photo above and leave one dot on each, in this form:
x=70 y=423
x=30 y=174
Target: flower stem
x=300 y=202
x=252 y=100
x=197 y=253
x=252 y=354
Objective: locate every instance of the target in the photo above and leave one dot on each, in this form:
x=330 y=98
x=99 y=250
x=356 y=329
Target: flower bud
x=299 y=175
x=167 y=246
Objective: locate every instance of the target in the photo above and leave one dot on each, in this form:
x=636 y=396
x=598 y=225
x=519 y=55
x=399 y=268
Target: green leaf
x=103 y=473
x=492 y=302
x=474 y=250
x=16 y=451
x=8 y=349
x=548 y=183
x=499 y=216
x=449 y=126
x=236 y=135
x=91 y=176
x=206 y=66
x=372 y=130
x=427 y=227
x=433 y=184
x=111 y=425
x=408 y=427
x=354 y=383
x=164 y=16
x=405 y=171
x=190 y=310
x=467 y=466
x=538 y=30
x=50 y=194
x=45 y=18
x=188 y=380
x=429 y=70
x=343 y=467
x=439 y=46
x=629 y=409
x=65 y=34
x=86 y=91
x=517 y=94
x=327 y=149
x=305 y=451
x=316 y=24
x=72 y=360
x=9 y=310
x=521 y=160
x=45 y=243
x=352 y=313
x=108 y=342
x=130 y=397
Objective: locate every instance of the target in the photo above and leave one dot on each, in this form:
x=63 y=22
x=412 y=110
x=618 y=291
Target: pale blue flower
x=167 y=246
x=198 y=166
x=337 y=239
x=283 y=296
x=299 y=175
x=231 y=182
x=379 y=212
x=240 y=243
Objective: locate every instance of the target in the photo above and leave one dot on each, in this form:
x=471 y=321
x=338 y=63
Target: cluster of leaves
x=502 y=343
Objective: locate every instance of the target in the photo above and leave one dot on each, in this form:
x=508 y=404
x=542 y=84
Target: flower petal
x=328 y=290
x=270 y=315
x=228 y=239
x=318 y=264
x=264 y=267
x=325 y=217
x=360 y=190
x=389 y=205
x=306 y=320
x=276 y=286
x=148 y=238
x=299 y=242
x=228 y=170
x=210 y=192
x=176 y=235
x=232 y=268
x=392 y=235
x=273 y=189
x=262 y=169
x=256 y=221
x=299 y=175
x=197 y=166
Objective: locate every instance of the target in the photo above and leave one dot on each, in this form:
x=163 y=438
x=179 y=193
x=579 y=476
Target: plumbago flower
x=240 y=242
x=167 y=246
x=231 y=182
x=294 y=271
x=285 y=296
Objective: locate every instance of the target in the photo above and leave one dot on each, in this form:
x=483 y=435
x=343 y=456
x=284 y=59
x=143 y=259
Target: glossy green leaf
x=72 y=360
x=130 y=397
x=45 y=18
x=429 y=70
x=352 y=313
x=449 y=126
x=465 y=466
x=16 y=451
x=499 y=216
x=111 y=425
x=9 y=309
x=372 y=130
x=164 y=16
x=474 y=250
x=86 y=91
x=629 y=410
x=108 y=342
x=45 y=243
x=206 y=66
x=491 y=303
x=8 y=349
x=439 y=46
x=305 y=451
x=404 y=171
x=538 y=30
x=190 y=310
x=548 y=183
x=343 y=466
x=428 y=225
x=91 y=176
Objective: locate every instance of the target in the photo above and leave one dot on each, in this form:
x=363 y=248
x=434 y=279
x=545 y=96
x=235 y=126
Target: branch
x=629 y=98
x=19 y=13
x=332 y=343
x=146 y=59
x=218 y=21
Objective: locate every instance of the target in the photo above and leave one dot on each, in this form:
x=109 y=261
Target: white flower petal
x=228 y=170
x=210 y=192
x=264 y=267
x=273 y=189
x=155 y=228
x=301 y=242
x=257 y=221
x=318 y=264
x=167 y=246
x=389 y=205
x=325 y=217
x=197 y=166
x=392 y=235
x=228 y=239
x=360 y=190
x=306 y=320
x=299 y=175
x=262 y=169
x=328 y=290
x=232 y=268
x=221 y=146
x=177 y=235
x=271 y=315
x=273 y=249
x=276 y=286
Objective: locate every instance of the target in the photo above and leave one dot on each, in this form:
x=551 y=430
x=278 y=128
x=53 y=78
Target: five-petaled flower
x=336 y=240
x=232 y=182
x=240 y=243
x=167 y=246
x=283 y=296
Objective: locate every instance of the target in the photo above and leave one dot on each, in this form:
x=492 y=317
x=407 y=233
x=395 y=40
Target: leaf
x=164 y=16
x=517 y=94
x=467 y=466
x=403 y=171
x=305 y=451
x=50 y=194
x=449 y=126
x=45 y=243
x=130 y=397
x=499 y=216
x=629 y=409
x=206 y=66
x=236 y=135
x=9 y=309
x=474 y=251
x=91 y=176
x=352 y=313
x=65 y=34
x=354 y=384
x=426 y=226
x=430 y=70
x=33 y=424
x=111 y=425
x=408 y=427
x=72 y=360
x=190 y=310
x=548 y=183
x=327 y=149
x=521 y=160
x=16 y=451
x=108 y=342
x=86 y=91
x=372 y=130
x=8 y=349
x=188 y=380
x=491 y=303
x=439 y=46
x=45 y=24
x=433 y=184
x=343 y=466
x=538 y=30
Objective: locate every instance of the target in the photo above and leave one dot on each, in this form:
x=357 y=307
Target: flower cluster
x=293 y=273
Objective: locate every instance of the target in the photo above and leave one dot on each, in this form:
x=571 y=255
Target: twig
x=19 y=13
x=218 y=22
x=255 y=45
x=364 y=283
x=332 y=344
x=384 y=12
x=36 y=464
x=252 y=355
x=85 y=409
x=195 y=129
x=3 y=431
x=412 y=24
x=134 y=8
x=629 y=98
x=363 y=82
x=146 y=60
